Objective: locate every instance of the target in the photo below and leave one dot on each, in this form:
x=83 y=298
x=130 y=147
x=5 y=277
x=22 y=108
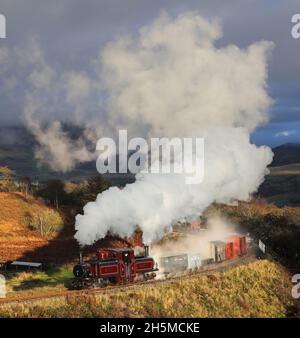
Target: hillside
x=259 y=289
x=17 y=241
x=287 y=153
x=282 y=186
x=277 y=227
x=15 y=238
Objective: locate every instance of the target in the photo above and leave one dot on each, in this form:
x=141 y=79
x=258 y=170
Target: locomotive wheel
x=77 y=284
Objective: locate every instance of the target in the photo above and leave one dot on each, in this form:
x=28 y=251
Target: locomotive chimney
x=146 y=247
x=80 y=257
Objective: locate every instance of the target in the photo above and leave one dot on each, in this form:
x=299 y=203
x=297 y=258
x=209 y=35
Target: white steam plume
x=173 y=81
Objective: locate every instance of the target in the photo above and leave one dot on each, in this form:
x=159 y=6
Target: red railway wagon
x=222 y=250
x=229 y=252
x=239 y=245
x=114 y=266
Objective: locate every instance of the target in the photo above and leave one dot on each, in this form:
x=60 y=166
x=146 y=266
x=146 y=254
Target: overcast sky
x=71 y=33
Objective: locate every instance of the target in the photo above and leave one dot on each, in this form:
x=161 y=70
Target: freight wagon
x=233 y=246
x=182 y=262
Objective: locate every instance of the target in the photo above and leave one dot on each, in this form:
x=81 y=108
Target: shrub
x=45 y=221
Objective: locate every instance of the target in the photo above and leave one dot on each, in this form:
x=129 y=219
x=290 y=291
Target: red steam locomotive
x=114 y=266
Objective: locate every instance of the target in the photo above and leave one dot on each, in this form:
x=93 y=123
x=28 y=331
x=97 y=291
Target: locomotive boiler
x=114 y=266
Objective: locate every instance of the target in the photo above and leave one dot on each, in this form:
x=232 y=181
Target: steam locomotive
x=114 y=266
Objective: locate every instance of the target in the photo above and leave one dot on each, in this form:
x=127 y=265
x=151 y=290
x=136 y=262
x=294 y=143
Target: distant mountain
x=287 y=153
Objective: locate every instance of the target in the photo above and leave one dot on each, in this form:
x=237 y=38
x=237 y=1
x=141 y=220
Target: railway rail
x=219 y=267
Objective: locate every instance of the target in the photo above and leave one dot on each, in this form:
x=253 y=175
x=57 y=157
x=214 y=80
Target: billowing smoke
x=172 y=80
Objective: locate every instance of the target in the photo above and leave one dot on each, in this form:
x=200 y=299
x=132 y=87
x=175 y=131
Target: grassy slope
x=18 y=242
x=282 y=186
x=278 y=228
x=14 y=208
x=15 y=238
x=286 y=154
x=260 y=289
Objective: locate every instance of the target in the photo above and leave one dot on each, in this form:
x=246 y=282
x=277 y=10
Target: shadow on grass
x=30 y=280
x=35 y=283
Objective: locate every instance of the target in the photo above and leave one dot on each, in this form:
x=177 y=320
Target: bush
x=7 y=179
x=46 y=221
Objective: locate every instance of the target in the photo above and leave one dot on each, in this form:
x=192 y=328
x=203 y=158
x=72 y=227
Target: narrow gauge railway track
x=216 y=267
